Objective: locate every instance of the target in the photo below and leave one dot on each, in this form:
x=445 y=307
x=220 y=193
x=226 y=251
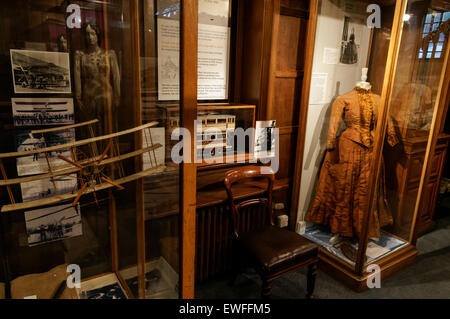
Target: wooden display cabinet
x=413 y=167
x=403 y=180
x=118 y=241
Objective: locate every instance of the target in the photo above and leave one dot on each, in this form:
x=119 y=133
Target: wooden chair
x=271 y=250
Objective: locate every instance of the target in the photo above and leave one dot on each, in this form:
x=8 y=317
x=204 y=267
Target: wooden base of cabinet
x=343 y=273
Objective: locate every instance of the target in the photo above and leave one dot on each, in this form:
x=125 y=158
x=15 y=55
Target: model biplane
x=92 y=167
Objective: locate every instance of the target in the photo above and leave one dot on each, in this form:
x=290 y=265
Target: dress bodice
x=359 y=111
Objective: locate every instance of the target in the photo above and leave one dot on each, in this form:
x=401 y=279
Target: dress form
x=96 y=82
x=363 y=84
x=336 y=238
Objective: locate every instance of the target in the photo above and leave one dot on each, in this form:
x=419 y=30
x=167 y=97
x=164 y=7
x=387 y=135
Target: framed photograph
x=349 y=43
x=43 y=188
x=37 y=163
x=53 y=223
x=37 y=72
x=42 y=111
x=265 y=139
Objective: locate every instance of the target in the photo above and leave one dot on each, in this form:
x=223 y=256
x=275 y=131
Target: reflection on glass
x=160 y=88
x=414 y=95
x=342 y=119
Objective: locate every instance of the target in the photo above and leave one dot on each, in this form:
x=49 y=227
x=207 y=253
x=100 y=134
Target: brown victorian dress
x=342 y=191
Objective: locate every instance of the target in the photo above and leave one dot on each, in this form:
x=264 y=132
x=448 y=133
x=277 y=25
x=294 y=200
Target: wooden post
x=303 y=114
x=108 y=129
x=5 y=177
x=189 y=48
x=137 y=113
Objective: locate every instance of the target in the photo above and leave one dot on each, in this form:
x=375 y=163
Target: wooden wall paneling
x=268 y=110
x=189 y=56
x=287 y=144
x=295 y=5
x=425 y=220
x=403 y=178
x=445 y=114
x=285 y=80
x=256 y=22
x=136 y=98
x=238 y=10
x=150 y=45
x=379 y=52
x=303 y=112
x=108 y=120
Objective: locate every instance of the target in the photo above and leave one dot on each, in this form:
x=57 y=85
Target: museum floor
x=429 y=277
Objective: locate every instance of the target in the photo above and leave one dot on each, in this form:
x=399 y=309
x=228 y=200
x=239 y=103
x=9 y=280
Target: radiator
x=215 y=238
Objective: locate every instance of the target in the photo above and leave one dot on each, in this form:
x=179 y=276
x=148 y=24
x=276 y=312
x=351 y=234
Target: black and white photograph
x=42 y=111
x=265 y=139
x=108 y=292
x=44 y=188
x=37 y=163
x=40 y=72
x=349 y=46
x=53 y=223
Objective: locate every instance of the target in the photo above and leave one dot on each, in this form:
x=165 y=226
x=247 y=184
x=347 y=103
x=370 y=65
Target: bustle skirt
x=342 y=191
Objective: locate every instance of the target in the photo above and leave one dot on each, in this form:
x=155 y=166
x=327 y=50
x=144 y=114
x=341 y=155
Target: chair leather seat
x=274 y=248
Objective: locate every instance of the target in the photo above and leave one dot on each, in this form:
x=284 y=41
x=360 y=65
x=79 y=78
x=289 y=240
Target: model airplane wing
x=91 y=169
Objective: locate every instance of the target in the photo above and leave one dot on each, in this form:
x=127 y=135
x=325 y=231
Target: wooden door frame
x=303 y=113
x=189 y=60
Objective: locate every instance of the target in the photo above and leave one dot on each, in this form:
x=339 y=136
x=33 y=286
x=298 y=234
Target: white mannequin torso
x=363 y=84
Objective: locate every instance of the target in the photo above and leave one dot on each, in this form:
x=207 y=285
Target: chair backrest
x=248 y=172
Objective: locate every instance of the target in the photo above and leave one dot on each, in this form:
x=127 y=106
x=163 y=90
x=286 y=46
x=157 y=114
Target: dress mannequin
x=97 y=79
x=363 y=84
x=336 y=238
x=341 y=194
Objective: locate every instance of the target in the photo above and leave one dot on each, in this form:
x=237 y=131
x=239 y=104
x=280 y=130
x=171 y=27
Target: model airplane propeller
x=91 y=175
x=89 y=167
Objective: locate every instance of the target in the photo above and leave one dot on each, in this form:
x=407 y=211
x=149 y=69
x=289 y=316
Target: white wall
x=341 y=78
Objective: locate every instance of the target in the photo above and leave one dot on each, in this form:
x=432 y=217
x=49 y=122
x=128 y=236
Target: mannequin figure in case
x=97 y=78
x=342 y=190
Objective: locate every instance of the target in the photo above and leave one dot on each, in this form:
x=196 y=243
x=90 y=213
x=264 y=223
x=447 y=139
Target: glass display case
x=86 y=187
x=371 y=98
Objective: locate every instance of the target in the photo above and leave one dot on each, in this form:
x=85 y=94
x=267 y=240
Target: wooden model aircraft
x=92 y=169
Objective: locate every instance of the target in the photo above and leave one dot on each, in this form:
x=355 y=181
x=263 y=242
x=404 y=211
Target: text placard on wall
x=213 y=50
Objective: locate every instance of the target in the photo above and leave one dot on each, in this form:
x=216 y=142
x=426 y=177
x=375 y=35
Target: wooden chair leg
x=266 y=289
x=311 y=280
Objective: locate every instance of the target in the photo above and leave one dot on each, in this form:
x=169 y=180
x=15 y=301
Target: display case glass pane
x=160 y=84
x=344 y=104
x=65 y=63
x=45 y=87
x=416 y=88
